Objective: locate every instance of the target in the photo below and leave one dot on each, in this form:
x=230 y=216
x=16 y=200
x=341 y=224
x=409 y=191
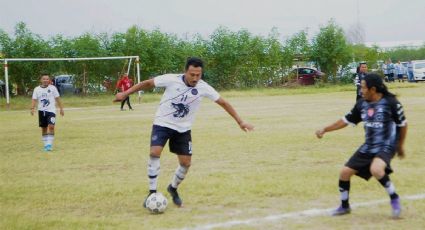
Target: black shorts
x=361 y=163
x=180 y=143
x=46 y=118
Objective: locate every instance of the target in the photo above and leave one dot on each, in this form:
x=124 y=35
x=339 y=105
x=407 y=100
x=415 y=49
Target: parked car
x=66 y=84
x=418 y=70
x=306 y=75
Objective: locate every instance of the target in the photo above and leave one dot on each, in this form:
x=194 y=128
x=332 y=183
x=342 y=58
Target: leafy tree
x=330 y=49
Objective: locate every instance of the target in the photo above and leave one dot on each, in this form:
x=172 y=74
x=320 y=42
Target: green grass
x=96 y=176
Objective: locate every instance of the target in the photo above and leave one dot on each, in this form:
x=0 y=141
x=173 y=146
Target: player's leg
x=181 y=144
x=44 y=136
x=51 y=119
x=377 y=169
x=122 y=104
x=154 y=167
x=178 y=177
x=128 y=103
x=344 y=189
x=42 y=123
x=159 y=138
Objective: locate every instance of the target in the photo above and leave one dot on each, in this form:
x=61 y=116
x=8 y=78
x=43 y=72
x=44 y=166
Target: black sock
x=152 y=191
x=344 y=189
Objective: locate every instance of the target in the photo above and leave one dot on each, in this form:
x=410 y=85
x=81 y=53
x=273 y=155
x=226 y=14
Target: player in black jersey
x=385 y=131
x=361 y=72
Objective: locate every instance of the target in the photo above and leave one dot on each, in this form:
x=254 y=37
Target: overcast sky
x=382 y=20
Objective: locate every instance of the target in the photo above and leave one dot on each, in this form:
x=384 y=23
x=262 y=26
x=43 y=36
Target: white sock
x=153 y=172
x=179 y=176
x=390 y=188
x=44 y=139
x=50 y=138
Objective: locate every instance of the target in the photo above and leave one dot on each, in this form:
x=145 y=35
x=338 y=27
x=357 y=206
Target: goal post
x=6 y=62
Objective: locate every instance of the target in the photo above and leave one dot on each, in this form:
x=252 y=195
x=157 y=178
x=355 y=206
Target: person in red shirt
x=124 y=84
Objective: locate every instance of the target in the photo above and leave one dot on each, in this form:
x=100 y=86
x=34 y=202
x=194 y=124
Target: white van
x=418 y=70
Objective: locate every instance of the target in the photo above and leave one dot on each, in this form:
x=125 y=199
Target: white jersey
x=46 y=98
x=180 y=102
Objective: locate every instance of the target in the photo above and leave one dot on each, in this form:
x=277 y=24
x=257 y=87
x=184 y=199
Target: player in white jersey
x=46 y=96
x=174 y=118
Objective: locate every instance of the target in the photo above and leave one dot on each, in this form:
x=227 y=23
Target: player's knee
x=185 y=164
x=345 y=174
x=377 y=172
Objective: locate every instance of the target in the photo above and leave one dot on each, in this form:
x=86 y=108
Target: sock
x=153 y=172
x=179 y=176
x=44 y=139
x=50 y=138
x=389 y=186
x=344 y=189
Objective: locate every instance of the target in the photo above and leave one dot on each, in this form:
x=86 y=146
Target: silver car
x=418 y=70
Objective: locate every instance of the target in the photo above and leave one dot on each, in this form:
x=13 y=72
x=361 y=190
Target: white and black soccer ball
x=156 y=203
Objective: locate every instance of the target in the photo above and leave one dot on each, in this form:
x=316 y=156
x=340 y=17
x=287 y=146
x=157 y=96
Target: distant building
x=390 y=45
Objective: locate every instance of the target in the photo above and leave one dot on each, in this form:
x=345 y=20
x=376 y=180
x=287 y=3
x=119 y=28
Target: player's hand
x=400 y=152
x=246 y=127
x=61 y=112
x=119 y=97
x=320 y=133
x=32 y=111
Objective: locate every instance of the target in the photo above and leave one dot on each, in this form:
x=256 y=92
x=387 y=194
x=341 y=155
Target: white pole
x=138 y=76
x=6 y=78
x=129 y=64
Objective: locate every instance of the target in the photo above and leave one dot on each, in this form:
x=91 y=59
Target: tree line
x=234 y=59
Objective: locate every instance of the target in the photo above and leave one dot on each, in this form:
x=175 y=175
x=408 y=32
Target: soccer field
x=278 y=177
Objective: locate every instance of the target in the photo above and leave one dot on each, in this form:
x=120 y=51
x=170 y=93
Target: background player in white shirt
x=174 y=118
x=46 y=96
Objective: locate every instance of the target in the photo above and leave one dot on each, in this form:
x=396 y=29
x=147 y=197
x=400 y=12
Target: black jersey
x=380 y=123
x=357 y=82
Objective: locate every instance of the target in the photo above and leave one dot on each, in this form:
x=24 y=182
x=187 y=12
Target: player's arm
x=33 y=104
x=339 y=124
x=230 y=110
x=402 y=137
x=59 y=102
x=144 y=85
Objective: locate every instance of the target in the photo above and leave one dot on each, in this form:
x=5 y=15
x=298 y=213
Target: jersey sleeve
x=398 y=113
x=354 y=116
x=34 y=94
x=211 y=93
x=55 y=92
x=163 y=80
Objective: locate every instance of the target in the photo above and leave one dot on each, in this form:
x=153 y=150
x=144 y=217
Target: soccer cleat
x=396 y=207
x=341 y=211
x=144 y=202
x=48 y=148
x=173 y=192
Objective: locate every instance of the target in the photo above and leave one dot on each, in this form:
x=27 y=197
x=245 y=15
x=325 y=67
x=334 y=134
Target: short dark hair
x=375 y=80
x=193 y=61
x=44 y=74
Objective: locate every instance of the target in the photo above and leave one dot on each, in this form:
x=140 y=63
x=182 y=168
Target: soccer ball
x=156 y=203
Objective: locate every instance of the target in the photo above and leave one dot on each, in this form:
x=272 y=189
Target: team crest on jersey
x=370 y=112
x=48 y=91
x=194 y=91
